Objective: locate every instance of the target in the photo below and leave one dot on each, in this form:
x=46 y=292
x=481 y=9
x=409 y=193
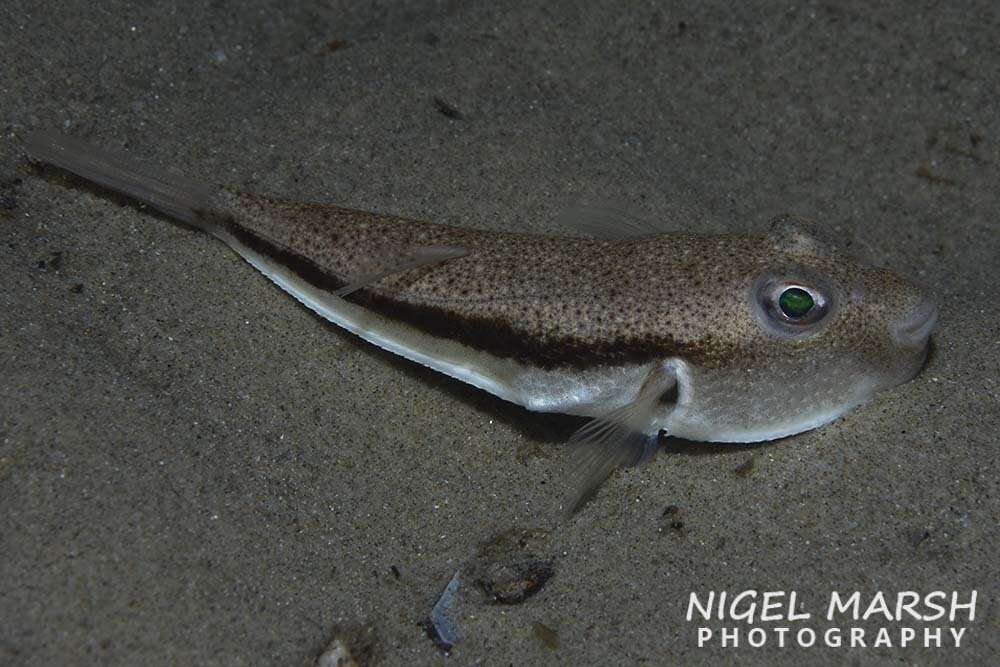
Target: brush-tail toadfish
x=732 y=338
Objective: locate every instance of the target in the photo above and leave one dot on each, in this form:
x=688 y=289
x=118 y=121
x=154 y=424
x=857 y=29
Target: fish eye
x=789 y=307
x=796 y=303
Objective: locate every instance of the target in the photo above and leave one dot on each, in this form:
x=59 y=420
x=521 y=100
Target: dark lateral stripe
x=490 y=335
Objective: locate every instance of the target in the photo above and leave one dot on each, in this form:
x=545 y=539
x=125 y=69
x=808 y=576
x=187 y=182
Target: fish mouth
x=914 y=329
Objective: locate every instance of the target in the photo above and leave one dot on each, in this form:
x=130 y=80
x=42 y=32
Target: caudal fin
x=177 y=196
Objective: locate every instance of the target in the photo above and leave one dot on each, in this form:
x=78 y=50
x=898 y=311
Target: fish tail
x=177 y=196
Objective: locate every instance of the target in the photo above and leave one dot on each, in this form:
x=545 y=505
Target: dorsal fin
x=401 y=262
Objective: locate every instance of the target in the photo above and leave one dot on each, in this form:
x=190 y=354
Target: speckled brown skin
x=569 y=302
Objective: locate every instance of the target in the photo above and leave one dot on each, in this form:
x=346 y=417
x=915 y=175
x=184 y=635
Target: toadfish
x=730 y=338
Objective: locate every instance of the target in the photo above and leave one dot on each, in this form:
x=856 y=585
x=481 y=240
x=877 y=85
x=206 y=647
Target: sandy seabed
x=194 y=469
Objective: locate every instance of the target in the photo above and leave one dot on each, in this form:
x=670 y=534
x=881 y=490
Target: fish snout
x=916 y=326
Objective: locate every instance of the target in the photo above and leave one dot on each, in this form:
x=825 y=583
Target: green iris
x=795 y=302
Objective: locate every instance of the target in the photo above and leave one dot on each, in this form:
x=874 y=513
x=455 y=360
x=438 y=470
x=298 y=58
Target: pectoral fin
x=605 y=222
x=624 y=437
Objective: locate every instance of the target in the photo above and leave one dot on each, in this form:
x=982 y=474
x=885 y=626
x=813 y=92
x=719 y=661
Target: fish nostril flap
x=918 y=324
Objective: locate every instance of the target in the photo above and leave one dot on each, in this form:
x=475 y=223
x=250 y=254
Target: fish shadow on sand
x=548 y=428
